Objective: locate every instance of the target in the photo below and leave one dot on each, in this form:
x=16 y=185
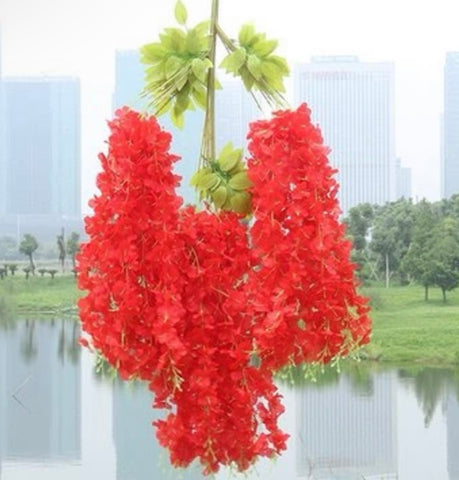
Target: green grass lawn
x=38 y=294
x=408 y=329
x=405 y=327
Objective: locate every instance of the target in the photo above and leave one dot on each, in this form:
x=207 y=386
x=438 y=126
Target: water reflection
x=431 y=386
x=59 y=420
x=39 y=397
x=7 y=319
x=452 y=422
x=138 y=455
x=348 y=430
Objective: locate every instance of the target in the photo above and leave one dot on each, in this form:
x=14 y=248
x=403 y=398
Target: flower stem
x=208 y=150
x=227 y=42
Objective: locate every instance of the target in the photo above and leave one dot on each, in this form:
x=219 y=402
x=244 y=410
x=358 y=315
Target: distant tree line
x=29 y=245
x=412 y=242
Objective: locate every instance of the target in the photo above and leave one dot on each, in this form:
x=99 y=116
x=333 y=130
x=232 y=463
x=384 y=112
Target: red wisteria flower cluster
x=206 y=309
x=302 y=295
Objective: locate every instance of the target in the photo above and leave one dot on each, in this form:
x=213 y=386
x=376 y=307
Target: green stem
x=208 y=150
x=227 y=42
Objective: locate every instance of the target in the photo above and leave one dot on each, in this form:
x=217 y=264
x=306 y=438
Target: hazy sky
x=80 y=37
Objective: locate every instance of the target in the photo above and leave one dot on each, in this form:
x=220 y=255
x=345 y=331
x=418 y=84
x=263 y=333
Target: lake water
x=60 y=420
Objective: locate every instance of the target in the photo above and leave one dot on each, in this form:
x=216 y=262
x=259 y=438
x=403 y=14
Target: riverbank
x=39 y=295
x=406 y=329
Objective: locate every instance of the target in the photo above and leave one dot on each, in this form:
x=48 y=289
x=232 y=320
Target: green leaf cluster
x=253 y=60
x=177 y=68
x=225 y=182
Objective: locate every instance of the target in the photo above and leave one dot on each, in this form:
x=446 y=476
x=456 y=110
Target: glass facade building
x=354 y=105
x=450 y=141
x=403 y=180
x=40 y=153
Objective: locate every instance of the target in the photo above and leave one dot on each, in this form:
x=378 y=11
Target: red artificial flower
x=302 y=295
x=187 y=300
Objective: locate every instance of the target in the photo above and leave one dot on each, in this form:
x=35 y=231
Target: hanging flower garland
x=302 y=295
x=203 y=307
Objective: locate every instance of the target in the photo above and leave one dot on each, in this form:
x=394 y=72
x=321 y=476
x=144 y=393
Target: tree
x=418 y=261
x=52 y=272
x=358 y=225
x=391 y=235
x=13 y=267
x=449 y=207
x=445 y=265
x=42 y=271
x=73 y=246
x=61 y=247
x=28 y=246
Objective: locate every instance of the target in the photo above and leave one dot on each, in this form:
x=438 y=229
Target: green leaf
x=229 y=157
x=259 y=37
x=155 y=73
x=208 y=181
x=163 y=108
x=200 y=68
x=195 y=43
x=219 y=196
x=270 y=70
x=275 y=84
x=246 y=34
x=202 y=28
x=181 y=14
x=183 y=98
x=240 y=181
x=234 y=61
x=226 y=151
x=152 y=53
x=247 y=78
x=241 y=203
x=180 y=82
x=281 y=63
x=173 y=40
x=199 y=94
x=239 y=166
x=195 y=179
x=264 y=48
x=173 y=66
x=177 y=116
x=253 y=64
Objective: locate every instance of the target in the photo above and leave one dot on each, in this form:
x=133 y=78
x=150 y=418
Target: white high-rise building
x=353 y=103
x=40 y=160
x=403 y=181
x=450 y=127
x=42 y=146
